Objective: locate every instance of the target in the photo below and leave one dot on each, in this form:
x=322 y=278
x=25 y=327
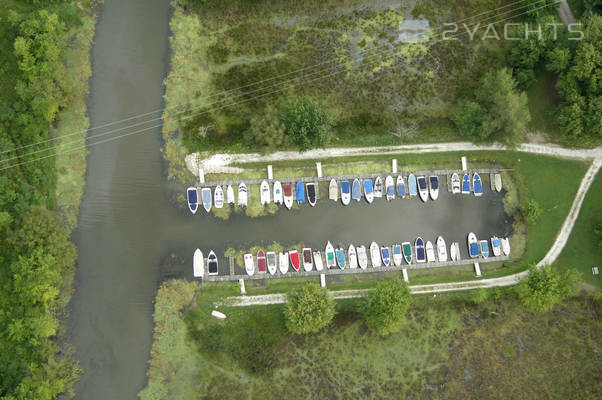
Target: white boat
x=434 y=186
x=270 y=257
x=423 y=189
x=243 y=195
x=264 y=191
x=318 y=261
x=389 y=188
x=473 y=245
x=397 y=256
x=312 y=196
x=401 y=187
x=287 y=190
x=198 y=264
x=249 y=264
x=283 y=263
x=218 y=314
x=453 y=252
x=466 y=184
x=430 y=251
x=412 y=187
x=278 y=198
x=218 y=197
x=333 y=190
x=307 y=261
x=345 y=192
x=497 y=182
x=455 y=183
x=477 y=185
x=496 y=246
x=484 y=245
x=458 y=254
x=362 y=257
x=230 y=194
x=506 y=246
x=368 y=190
x=192 y=195
x=441 y=249
x=206 y=198
x=330 y=258
x=352 y=254
x=375 y=255
x=212 y=265
x=378 y=187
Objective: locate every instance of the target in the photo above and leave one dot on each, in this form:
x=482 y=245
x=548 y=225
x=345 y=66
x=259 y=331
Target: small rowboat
x=295 y=261
x=300 y=193
x=401 y=187
x=412 y=187
x=249 y=264
x=473 y=245
x=477 y=185
x=271 y=259
x=198 y=264
x=420 y=254
x=441 y=249
x=458 y=254
x=375 y=255
x=230 y=194
x=218 y=197
x=193 y=199
x=340 y=255
x=311 y=193
x=318 y=261
x=406 y=248
x=453 y=255
x=345 y=192
x=330 y=259
x=218 y=314
x=362 y=257
x=287 y=190
x=356 y=190
x=243 y=196
x=283 y=263
x=261 y=264
x=333 y=190
x=278 y=198
x=212 y=266
x=206 y=198
x=368 y=190
x=497 y=182
x=423 y=188
x=378 y=187
x=397 y=256
x=506 y=246
x=264 y=191
x=496 y=246
x=466 y=184
x=430 y=251
x=434 y=186
x=307 y=260
x=455 y=183
x=352 y=254
x=385 y=254
x=389 y=188
x=484 y=245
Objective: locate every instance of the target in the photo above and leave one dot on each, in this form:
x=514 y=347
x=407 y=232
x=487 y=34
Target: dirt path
x=566 y=15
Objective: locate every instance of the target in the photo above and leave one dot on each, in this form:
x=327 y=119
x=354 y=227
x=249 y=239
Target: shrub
x=545 y=287
x=386 y=306
x=309 y=309
x=307 y=122
x=532 y=211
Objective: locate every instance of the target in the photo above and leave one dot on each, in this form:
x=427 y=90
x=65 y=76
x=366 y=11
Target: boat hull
x=198 y=264
x=278 y=197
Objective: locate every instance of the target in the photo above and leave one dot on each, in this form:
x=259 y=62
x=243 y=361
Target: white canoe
x=198 y=264
x=375 y=255
x=318 y=261
x=333 y=190
x=352 y=254
x=278 y=197
x=249 y=264
x=218 y=197
x=430 y=251
x=497 y=180
x=441 y=249
x=264 y=191
x=362 y=257
x=506 y=246
x=218 y=315
x=455 y=183
x=378 y=187
x=243 y=194
x=389 y=188
x=458 y=254
x=283 y=263
x=230 y=194
x=452 y=252
x=270 y=258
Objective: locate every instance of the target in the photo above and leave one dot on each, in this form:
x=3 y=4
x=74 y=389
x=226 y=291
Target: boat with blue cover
x=434 y=186
x=423 y=189
x=389 y=188
x=496 y=246
x=385 y=254
x=466 y=184
x=356 y=190
x=368 y=190
x=206 y=198
x=340 y=255
x=473 y=245
x=193 y=199
x=401 y=187
x=412 y=187
x=345 y=192
x=484 y=244
x=477 y=185
x=397 y=256
x=300 y=193
x=420 y=253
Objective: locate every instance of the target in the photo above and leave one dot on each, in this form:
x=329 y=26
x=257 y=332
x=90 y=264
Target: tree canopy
x=309 y=309
x=545 y=287
x=386 y=306
x=307 y=122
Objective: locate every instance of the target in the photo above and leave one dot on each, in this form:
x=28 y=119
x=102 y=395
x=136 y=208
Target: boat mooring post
x=231 y=261
x=319 y=169
x=201 y=176
x=464 y=164
x=477 y=268
x=323 y=280
x=242 y=286
x=270 y=172
x=394 y=165
x=405 y=274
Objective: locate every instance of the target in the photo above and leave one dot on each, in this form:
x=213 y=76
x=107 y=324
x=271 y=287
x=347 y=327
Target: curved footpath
x=509 y=280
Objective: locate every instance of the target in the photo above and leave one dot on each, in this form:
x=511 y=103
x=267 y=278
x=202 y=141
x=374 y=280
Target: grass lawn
x=584 y=250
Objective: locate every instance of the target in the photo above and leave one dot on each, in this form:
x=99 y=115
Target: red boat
x=294 y=255
x=261 y=265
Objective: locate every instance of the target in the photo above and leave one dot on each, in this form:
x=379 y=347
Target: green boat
x=407 y=251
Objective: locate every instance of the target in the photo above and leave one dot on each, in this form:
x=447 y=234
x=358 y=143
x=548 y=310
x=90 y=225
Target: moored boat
x=270 y=257
x=356 y=190
x=192 y=195
x=295 y=261
x=401 y=187
x=212 y=265
x=329 y=253
x=230 y=194
x=452 y=252
x=375 y=255
x=420 y=253
x=261 y=263
x=243 y=196
x=430 y=251
x=389 y=188
x=278 y=198
x=473 y=245
x=466 y=184
x=397 y=256
x=385 y=255
x=198 y=264
x=311 y=193
x=378 y=187
x=345 y=192
x=458 y=254
x=249 y=264
x=362 y=257
x=368 y=190
x=412 y=186
x=434 y=186
x=422 y=188
x=406 y=248
x=264 y=191
x=300 y=193
x=352 y=256
x=333 y=190
x=484 y=245
x=497 y=182
x=441 y=249
x=206 y=198
x=307 y=259
x=218 y=197
x=283 y=263
x=477 y=185
x=340 y=255
x=287 y=191
x=496 y=246
x=506 y=246
x=455 y=183
x=318 y=261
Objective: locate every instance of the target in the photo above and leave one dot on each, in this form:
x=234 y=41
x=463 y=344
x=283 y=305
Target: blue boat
x=300 y=193
x=345 y=192
x=368 y=190
x=473 y=245
x=386 y=256
x=477 y=186
x=420 y=254
x=412 y=187
x=484 y=248
x=466 y=184
x=401 y=187
x=193 y=199
x=356 y=190
x=340 y=255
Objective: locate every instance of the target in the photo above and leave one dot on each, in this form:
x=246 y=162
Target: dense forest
x=38 y=83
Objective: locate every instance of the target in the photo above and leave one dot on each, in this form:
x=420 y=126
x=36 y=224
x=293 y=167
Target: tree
x=309 y=309
x=385 y=307
x=307 y=122
x=268 y=132
x=532 y=211
x=544 y=287
x=468 y=118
